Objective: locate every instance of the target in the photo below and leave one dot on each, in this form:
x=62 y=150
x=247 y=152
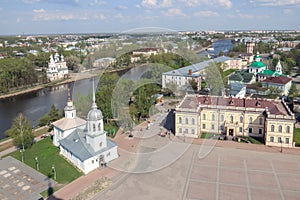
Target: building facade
x=268 y=119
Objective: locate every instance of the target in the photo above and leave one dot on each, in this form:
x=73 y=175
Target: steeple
x=278 y=68
x=94 y=105
x=70 y=110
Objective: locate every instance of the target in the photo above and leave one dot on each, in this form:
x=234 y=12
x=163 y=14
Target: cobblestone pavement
x=18 y=181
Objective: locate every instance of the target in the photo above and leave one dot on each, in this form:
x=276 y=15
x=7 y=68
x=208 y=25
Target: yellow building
x=269 y=119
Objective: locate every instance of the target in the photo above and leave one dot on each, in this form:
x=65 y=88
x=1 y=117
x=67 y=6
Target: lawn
x=207 y=135
x=48 y=155
x=252 y=140
x=297 y=136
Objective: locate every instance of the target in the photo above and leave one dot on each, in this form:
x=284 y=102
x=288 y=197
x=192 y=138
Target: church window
x=94 y=127
x=100 y=144
x=99 y=127
x=92 y=161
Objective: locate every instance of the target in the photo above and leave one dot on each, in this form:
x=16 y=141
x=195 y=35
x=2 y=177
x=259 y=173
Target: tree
x=73 y=63
x=53 y=115
x=214 y=79
x=21 y=132
x=293 y=92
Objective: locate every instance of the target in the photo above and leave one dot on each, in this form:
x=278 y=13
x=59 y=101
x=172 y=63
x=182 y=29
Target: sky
x=106 y=16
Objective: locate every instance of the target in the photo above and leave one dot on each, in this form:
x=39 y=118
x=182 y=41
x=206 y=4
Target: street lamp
x=280 y=145
x=54 y=171
x=37 y=163
x=22 y=154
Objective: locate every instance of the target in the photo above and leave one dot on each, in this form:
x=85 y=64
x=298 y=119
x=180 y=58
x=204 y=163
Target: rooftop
x=278 y=80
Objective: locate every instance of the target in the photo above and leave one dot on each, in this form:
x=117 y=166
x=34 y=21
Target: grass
x=229 y=71
x=297 y=136
x=252 y=140
x=38 y=132
x=48 y=155
x=207 y=135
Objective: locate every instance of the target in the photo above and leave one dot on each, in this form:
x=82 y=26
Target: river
x=36 y=104
x=217 y=47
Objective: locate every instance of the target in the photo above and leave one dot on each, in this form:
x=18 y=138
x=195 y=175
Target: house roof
x=257 y=64
x=267 y=72
x=66 y=124
x=76 y=143
x=273 y=106
x=277 y=80
x=242 y=75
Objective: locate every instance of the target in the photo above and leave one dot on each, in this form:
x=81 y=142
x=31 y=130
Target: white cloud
x=97 y=3
x=206 y=13
x=174 y=12
x=39 y=10
x=100 y=16
x=276 y=3
x=121 y=7
x=221 y=3
x=156 y=4
x=31 y=1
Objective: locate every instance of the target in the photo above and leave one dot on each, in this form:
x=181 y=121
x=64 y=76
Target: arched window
x=287 y=129
x=193 y=121
x=272 y=128
x=94 y=127
x=213 y=117
x=250 y=120
x=231 y=119
x=180 y=120
x=99 y=127
x=241 y=119
x=186 y=121
x=260 y=121
x=222 y=118
x=204 y=116
x=280 y=129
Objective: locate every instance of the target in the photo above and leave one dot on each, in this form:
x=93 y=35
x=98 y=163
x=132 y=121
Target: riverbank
x=73 y=77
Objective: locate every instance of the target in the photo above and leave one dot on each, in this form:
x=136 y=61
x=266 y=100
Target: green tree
x=214 y=79
x=21 y=132
x=73 y=63
x=53 y=115
x=293 y=92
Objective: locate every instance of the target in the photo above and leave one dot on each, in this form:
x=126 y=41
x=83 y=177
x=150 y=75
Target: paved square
x=18 y=181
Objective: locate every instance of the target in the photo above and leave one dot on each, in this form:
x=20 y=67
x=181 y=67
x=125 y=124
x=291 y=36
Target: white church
x=57 y=68
x=83 y=143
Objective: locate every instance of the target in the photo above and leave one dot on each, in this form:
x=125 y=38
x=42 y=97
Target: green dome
x=257 y=64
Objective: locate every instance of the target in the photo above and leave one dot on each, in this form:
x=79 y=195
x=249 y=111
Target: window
x=193 y=121
x=193 y=131
x=92 y=161
x=250 y=120
x=100 y=144
x=240 y=129
x=231 y=119
x=287 y=140
x=271 y=139
x=250 y=130
x=94 y=127
x=186 y=130
x=213 y=117
x=280 y=129
x=99 y=127
x=260 y=131
x=186 y=120
x=260 y=121
x=221 y=127
x=108 y=154
x=222 y=118
x=180 y=130
x=203 y=126
x=241 y=119
x=279 y=139
x=180 y=120
x=287 y=129
x=272 y=128
x=212 y=127
x=204 y=116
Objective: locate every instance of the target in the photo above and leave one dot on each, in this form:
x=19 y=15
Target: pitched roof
x=267 y=72
x=76 y=143
x=257 y=64
x=66 y=124
x=193 y=102
x=241 y=75
x=278 y=80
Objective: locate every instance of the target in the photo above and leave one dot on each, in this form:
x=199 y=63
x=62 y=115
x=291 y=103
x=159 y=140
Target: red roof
x=278 y=80
x=274 y=107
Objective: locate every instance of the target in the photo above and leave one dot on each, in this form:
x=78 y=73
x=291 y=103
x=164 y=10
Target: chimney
x=190 y=72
